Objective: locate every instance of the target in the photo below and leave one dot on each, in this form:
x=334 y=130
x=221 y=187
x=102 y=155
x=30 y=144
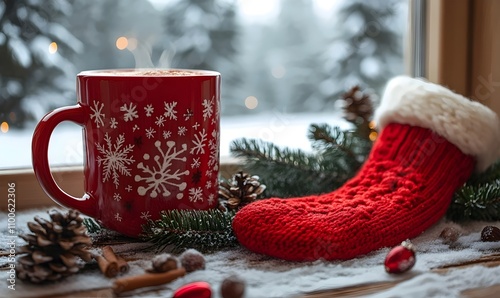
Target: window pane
x=287 y=60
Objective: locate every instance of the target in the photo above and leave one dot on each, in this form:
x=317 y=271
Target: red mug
x=151 y=141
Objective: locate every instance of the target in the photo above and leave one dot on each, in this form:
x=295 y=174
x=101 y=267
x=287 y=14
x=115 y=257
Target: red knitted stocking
x=404 y=187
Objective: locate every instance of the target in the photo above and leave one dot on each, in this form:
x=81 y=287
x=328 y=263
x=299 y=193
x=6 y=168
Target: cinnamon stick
x=146 y=280
x=109 y=269
x=109 y=254
x=122 y=264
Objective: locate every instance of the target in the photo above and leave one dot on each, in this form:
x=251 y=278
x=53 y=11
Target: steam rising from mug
x=142 y=55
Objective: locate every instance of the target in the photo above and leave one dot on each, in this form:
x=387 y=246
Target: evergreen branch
x=324 y=137
x=359 y=144
x=476 y=202
x=92 y=225
x=258 y=152
x=478 y=198
x=288 y=172
x=205 y=230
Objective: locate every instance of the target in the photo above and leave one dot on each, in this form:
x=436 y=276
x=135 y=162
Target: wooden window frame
x=463 y=48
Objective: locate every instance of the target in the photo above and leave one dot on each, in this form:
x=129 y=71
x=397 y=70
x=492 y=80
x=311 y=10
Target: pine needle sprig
x=476 y=202
x=285 y=172
x=323 y=137
x=478 y=198
x=204 y=230
x=269 y=155
x=326 y=138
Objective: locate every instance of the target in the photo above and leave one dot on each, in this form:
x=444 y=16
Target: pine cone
x=241 y=190
x=55 y=249
x=358 y=106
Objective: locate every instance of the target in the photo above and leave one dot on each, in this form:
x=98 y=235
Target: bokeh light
x=251 y=102
x=121 y=43
x=4 y=127
x=53 y=47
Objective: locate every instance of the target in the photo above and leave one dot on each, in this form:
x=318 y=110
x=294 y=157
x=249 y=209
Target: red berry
x=400 y=259
x=199 y=289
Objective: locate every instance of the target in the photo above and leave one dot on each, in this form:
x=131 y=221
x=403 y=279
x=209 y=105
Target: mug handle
x=39 y=155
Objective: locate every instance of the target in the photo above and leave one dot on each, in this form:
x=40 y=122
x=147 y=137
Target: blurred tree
x=281 y=59
x=298 y=36
x=202 y=34
x=256 y=63
x=138 y=21
x=367 y=46
x=35 y=58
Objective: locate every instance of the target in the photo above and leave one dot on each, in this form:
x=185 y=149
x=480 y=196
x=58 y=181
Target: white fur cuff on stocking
x=469 y=125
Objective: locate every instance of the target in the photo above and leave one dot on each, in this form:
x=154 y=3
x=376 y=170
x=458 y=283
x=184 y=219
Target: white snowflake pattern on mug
x=181 y=130
x=160 y=175
x=195 y=194
x=188 y=114
x=211 y=198
x=208 y=108
x=150 y=132
x=160 y=121
x=170 y=111
x=199 y=143
x=97 y=115
x=149 y=110
x=130 y=112
x=213 y=146
x=113 y=123
x=115 y=159
x=145 y=215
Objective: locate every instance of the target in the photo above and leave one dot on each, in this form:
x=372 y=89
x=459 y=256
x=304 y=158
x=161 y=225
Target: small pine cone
x=241 y=190
x=358 y=106
x=55 y=249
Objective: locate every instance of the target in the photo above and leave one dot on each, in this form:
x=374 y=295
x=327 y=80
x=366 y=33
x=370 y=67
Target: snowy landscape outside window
x=283 y=63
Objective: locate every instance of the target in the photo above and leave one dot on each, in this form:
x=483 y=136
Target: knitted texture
x=403 y=188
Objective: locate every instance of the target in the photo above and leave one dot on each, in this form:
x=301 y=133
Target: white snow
x=269 y=277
